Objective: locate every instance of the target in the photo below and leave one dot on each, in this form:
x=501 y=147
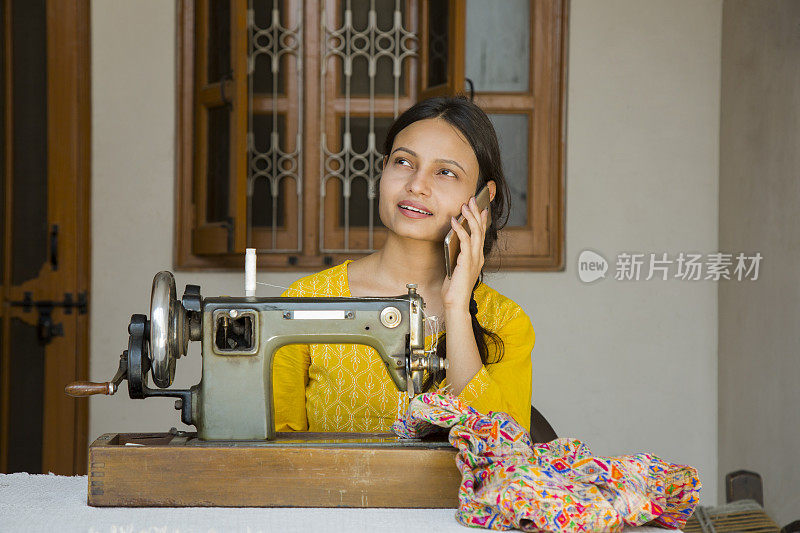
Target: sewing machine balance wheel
x=169 y=338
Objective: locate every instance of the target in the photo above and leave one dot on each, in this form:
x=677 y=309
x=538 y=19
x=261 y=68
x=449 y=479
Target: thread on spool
x=250 y=272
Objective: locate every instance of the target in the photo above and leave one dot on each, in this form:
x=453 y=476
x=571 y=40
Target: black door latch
x=45 y=327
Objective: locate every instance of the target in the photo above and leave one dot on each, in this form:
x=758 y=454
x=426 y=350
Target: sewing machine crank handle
x=88 y=388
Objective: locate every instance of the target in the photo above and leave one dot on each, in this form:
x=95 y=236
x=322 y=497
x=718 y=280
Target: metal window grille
x=276 y=163
x=348 y=43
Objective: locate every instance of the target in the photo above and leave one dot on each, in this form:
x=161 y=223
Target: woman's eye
x=402 y=161
x=448 y=172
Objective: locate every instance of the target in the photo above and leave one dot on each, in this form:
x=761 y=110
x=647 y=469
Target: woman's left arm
x=504 y=386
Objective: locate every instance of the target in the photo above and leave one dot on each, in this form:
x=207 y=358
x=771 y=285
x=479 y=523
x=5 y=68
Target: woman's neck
x=425 y=259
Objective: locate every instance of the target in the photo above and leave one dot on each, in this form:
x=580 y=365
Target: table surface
x=58 y=503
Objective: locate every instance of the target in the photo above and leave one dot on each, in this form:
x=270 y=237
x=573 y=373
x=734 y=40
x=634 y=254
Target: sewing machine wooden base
x=295 y=470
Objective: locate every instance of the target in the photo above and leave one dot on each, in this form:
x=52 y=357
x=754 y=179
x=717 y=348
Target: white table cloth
x=50 y=503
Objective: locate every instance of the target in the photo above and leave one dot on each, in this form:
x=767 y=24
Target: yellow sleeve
x=289 y=379
x=506 y=386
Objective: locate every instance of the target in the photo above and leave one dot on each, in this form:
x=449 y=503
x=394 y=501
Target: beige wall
x=759 y=366
x=631 y=366
x=625 y=367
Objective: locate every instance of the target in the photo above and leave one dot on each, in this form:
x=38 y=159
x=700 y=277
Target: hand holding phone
x=451 y=242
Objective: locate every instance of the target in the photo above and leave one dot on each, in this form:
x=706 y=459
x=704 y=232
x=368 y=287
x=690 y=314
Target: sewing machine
x=232 y=407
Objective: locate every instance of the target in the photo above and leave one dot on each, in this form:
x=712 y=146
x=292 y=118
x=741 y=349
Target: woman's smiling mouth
x=412 y=211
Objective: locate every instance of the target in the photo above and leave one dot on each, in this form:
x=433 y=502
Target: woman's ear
x=492 y=189
x=383 y=162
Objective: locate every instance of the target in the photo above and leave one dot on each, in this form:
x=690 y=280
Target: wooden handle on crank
x=87 y=388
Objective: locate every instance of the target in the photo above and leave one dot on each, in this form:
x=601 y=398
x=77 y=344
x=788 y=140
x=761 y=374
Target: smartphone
x=451 y=246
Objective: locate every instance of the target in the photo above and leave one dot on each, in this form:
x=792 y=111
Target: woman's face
x=431 y=167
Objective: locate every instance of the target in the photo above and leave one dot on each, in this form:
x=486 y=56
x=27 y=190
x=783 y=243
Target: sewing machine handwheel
x=137 y=357
x=167 y=324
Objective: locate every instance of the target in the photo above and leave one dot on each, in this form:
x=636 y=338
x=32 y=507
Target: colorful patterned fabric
x=559 y=486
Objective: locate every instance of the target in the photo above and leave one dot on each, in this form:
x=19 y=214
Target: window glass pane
x=437 y=42
x=512 y=133
x=262 y=201
x=262 y=74
x=359 y=199
x=262 y=131
x=219 y=39
x=218 y=161
x=261 y=204
x=384 y=12
x=262 y=71
x=359 y=132
x=498 y=45
x=384 y=80
x=262 y=11
x=29 y=90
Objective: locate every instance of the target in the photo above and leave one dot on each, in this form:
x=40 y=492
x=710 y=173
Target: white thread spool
x=250 y=272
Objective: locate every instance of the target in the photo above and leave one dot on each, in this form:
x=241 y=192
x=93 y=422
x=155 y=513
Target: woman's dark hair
x=476 y=127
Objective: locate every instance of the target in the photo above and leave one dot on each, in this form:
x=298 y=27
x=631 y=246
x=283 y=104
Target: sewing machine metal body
x=234 y=399
x=240 y=335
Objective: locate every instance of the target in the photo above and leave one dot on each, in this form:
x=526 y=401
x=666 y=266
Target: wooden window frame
x=537 y=246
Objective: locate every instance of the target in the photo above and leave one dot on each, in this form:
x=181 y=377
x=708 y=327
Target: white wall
x=626 y=367
x=759 y=367
x=631 y=366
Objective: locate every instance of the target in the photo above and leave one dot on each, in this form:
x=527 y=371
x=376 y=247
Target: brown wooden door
x=44 y=223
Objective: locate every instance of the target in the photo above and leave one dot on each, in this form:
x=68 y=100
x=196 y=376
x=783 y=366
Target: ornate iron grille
x=276 y=163
x=348 y=43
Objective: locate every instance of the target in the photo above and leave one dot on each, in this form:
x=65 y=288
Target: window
x=283 y=109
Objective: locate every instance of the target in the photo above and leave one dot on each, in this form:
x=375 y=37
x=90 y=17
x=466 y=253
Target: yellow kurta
x=345 y=387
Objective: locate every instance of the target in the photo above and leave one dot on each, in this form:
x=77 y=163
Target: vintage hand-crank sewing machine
x=236 y=458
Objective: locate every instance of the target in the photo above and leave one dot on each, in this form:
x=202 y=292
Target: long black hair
x=476 y=127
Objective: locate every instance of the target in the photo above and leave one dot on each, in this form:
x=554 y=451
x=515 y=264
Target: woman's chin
x=402 y=231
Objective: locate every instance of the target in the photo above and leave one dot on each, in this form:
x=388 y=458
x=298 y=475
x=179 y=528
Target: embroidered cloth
x=508 y=482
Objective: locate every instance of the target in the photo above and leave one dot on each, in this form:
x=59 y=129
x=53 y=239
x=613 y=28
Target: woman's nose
x=419 y=182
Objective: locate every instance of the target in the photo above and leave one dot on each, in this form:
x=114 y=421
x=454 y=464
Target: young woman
x=439 y=154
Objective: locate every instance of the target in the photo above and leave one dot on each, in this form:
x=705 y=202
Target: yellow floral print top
x=345 y=387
